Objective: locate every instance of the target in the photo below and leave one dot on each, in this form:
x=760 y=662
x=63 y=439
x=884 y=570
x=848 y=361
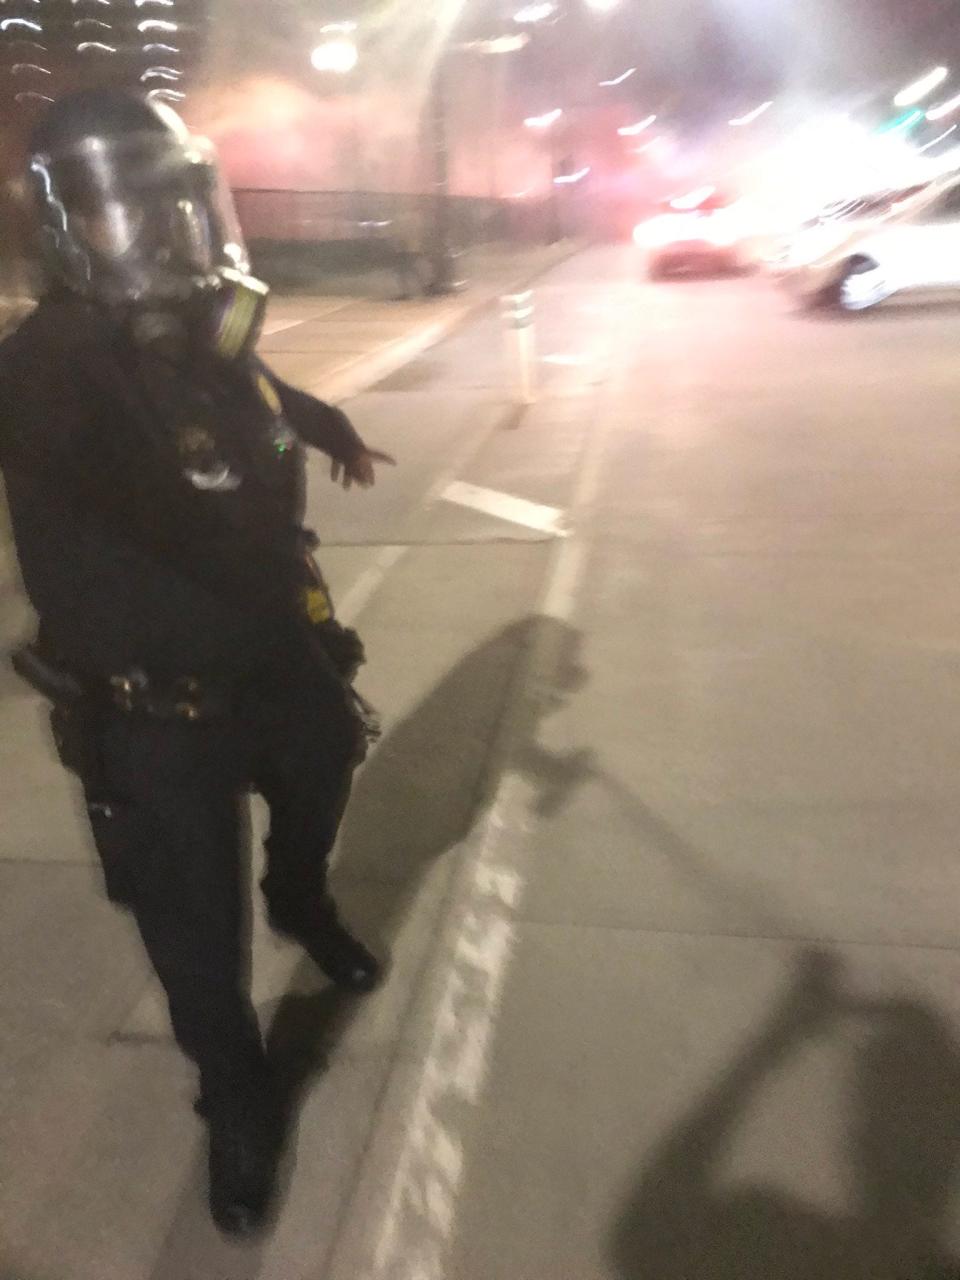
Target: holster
x=74 y=716
x=77 y=723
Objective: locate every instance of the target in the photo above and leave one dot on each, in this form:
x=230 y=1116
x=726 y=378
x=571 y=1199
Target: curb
x=362 y=372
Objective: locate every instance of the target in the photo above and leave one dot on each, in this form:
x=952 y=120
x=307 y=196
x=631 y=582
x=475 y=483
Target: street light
x=338 y=56
x=921 y=88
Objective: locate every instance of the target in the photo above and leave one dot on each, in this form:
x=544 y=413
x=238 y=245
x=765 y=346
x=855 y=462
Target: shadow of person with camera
x=683 y=1223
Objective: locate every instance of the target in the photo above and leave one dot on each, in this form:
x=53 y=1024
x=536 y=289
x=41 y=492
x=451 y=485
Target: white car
x=908 y=240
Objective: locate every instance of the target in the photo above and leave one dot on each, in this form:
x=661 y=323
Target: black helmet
x=131 y=206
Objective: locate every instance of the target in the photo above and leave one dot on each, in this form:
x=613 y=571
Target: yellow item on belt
x=317 y=605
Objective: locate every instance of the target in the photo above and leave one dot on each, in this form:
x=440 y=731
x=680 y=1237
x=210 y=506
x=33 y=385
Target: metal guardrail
x=371 y=228
x=407 y=220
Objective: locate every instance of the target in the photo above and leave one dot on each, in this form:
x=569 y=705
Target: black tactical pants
x=173 y=844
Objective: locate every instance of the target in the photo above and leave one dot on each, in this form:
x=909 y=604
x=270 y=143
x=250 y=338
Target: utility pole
x=440 y=255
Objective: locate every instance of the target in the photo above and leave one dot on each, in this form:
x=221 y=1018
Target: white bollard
x=521 y=355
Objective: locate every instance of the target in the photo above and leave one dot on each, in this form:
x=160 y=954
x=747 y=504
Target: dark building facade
x=48 y=47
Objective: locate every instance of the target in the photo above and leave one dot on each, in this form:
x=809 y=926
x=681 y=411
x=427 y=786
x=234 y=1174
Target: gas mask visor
x=143 y=219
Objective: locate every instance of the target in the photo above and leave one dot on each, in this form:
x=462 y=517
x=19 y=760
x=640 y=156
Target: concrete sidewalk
x=337 y=346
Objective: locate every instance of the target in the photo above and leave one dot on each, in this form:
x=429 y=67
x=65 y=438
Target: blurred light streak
x=944 y=109
x=566 y=179
x=168 y=95
x=609 y=84
x=157 y=24
x=693 y=199
x=545 y=121
x=161 y=73
x=634 y=130
x=7 y=23
x=160 y=48
x=499 y=44
x=927 y=145
x=750 y=116
x=167 y=4
x=95 y=44
x=28 y=66
x=904 y=122
x=93 y=22
x=30 y=95
x=532 y=13
x=920 y=88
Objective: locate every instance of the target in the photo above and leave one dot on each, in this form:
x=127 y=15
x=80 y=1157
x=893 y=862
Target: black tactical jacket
x=156 y=513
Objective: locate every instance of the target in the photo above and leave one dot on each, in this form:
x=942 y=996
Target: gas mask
x=222 y=317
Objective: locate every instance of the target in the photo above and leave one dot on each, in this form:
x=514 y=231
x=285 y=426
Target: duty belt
x=182 y=698
x=185 y=698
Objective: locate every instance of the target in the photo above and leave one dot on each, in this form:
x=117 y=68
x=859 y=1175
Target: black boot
x=245 y=1141
x=332 y=948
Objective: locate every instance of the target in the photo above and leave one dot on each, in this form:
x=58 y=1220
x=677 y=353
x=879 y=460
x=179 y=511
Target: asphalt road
x=662 y=835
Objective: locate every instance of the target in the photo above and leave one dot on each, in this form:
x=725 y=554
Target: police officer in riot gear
x=154 y=475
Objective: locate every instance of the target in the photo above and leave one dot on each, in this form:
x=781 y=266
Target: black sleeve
x=323 y=426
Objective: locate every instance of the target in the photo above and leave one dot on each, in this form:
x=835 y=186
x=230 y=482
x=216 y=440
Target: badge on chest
x=203 y=464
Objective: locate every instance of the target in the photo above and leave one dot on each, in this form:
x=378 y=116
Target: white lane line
x=418 y=1221
x=417 y=1203
x=421 y=1208
x=368 y=584
x=504 y=506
